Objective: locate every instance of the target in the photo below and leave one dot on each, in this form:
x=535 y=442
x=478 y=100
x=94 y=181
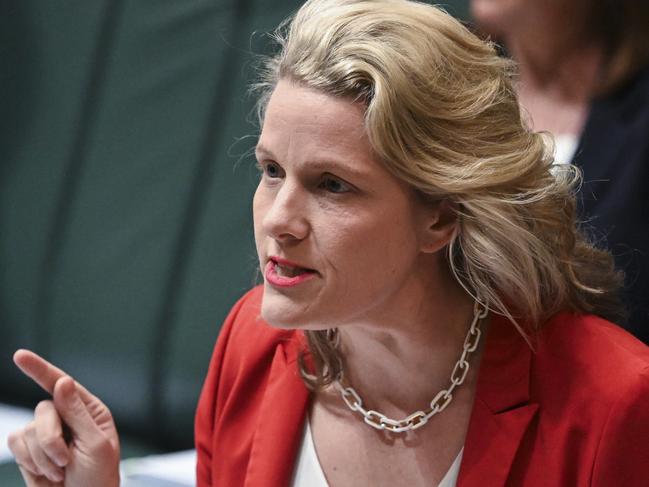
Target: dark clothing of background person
x=613 y=153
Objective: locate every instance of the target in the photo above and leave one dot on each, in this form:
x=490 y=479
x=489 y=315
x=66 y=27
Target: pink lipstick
x=283 y=273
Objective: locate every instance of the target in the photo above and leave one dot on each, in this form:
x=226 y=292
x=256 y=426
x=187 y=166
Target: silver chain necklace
x=419 y=418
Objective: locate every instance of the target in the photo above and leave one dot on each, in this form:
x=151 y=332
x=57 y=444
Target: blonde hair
x=443 y=116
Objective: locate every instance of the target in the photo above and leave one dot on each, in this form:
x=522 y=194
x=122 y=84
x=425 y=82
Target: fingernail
x=60 y=461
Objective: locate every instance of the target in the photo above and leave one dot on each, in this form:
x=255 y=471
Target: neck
x=399 y=361
x=555 y=92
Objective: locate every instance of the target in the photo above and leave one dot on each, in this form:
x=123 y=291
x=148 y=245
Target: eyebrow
x=323 y=164
x=264 y=150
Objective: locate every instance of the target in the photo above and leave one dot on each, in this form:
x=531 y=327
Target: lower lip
x=282 y=281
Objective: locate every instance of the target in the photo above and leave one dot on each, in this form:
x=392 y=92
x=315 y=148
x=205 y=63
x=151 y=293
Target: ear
x=439 y=224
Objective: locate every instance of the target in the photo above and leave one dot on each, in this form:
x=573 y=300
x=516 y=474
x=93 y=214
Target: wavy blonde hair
x=443 y=116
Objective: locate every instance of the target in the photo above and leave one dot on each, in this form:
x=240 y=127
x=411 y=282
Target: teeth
x=286 y=271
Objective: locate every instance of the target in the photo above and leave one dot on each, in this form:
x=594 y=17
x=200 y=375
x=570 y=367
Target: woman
x=424 y=317
x=584 y=77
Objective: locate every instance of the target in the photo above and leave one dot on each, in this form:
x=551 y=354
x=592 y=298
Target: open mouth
x=283 y=273
x=286 y=270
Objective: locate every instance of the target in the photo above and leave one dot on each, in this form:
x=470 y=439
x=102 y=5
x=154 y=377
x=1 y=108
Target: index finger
x=38 y=369
x=46 y=375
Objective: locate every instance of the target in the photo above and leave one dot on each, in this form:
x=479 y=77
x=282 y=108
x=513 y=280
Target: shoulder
x=588 y=353
x=599 y=376
x=247 y=352
x=582 y=338
x=243 y=356
x=246 y=335
x=591 y=381
x=628 y=101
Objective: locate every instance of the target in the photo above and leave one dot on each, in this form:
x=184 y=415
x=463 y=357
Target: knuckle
x=13 y=440
x=43 y=464
x=51 y=442
x=109 y=415
x=29 y=429
x=42 y=406
x=29 y=467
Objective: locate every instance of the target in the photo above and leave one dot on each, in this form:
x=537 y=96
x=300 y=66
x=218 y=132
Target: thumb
x=73 y=411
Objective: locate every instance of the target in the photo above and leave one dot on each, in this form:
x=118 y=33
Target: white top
x=308 y=472
x=565 y=146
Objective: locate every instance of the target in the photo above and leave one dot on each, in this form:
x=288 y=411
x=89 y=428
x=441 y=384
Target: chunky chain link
x=440 y=402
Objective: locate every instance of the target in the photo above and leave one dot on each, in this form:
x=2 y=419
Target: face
x=339 y=238
x=494 y=15
x=538 y=21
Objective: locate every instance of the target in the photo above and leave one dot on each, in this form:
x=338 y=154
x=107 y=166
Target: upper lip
x=289 y=263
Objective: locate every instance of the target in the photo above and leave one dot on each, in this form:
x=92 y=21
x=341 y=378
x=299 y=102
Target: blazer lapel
x=502 y=412
x=281 y=421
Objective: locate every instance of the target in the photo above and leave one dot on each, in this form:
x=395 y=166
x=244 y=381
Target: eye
x=271 y=170
x=334 y=185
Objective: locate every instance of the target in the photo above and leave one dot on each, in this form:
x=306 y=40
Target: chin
x=273 y=320
x=280 y=311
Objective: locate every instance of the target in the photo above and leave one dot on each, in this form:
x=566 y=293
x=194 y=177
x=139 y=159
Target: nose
x=284 y=218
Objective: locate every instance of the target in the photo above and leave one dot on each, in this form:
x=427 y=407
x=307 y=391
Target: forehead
x=300 y=119
x=306 y=129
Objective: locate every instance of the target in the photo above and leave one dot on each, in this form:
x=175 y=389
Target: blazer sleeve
x=205 y=418
x=623 y=453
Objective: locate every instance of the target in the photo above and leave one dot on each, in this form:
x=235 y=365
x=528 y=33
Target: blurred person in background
x=584 y=77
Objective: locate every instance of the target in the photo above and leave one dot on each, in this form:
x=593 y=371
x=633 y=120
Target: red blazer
x=573 y=413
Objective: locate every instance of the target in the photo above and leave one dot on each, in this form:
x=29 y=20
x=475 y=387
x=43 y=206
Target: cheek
x=258 y=212
x=371 y=250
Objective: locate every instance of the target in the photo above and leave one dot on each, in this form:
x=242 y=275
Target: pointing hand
x=72 y=440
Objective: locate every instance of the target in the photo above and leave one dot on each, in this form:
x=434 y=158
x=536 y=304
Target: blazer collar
x=281 y=420
x=502 y=411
